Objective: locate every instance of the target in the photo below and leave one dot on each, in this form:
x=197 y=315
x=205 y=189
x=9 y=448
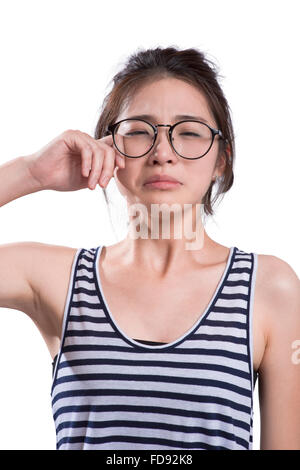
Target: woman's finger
x=108 y=166
x=97 y=163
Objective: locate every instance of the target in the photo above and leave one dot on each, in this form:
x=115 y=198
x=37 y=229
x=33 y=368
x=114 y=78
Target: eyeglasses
x=190 y=139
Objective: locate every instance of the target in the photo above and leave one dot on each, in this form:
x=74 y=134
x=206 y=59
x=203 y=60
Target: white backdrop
x=57 y=58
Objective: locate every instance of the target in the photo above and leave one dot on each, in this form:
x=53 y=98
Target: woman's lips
x=163 y=184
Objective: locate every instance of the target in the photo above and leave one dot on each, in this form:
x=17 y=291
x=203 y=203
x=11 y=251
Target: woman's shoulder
x=276 y=280
x=277 y=291
x=277 y=275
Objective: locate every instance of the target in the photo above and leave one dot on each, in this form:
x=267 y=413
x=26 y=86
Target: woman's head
x=164 y=83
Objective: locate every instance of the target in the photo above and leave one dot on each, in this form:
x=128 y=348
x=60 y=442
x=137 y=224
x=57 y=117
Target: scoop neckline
x=177 y=341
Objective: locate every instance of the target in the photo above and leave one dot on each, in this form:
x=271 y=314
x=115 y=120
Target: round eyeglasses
x=190 y=139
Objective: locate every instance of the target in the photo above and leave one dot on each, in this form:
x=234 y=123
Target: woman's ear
x=221 y=164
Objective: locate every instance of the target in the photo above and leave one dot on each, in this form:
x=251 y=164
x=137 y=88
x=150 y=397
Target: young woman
x=157 y=340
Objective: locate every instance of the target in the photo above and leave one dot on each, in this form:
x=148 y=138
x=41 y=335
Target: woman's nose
x=162 y=143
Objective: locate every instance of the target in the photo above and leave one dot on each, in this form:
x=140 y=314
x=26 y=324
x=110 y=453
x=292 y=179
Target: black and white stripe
x=112 y=392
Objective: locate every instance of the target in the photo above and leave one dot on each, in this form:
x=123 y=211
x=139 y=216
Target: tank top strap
x=239 y=290
x=81 y=284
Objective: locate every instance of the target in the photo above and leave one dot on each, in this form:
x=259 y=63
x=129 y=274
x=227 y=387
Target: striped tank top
x=110 y=391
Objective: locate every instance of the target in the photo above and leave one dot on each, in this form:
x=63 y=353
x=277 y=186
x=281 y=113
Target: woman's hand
x=74 y=160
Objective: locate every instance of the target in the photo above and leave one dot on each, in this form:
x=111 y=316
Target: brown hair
x=191 y=66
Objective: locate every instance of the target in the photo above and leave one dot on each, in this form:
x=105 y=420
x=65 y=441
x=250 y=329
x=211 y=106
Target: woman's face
x=164 y=99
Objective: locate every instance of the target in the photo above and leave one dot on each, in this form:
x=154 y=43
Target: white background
x=57 y=59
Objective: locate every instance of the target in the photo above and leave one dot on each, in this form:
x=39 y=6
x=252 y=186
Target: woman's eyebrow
x=177 y=117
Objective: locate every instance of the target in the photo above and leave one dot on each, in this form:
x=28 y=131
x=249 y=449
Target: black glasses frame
x=111 y=129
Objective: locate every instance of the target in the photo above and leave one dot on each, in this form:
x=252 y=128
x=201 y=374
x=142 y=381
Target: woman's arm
x=16 y=180
x=279 y=372
x=71 y=161
x=16 y=258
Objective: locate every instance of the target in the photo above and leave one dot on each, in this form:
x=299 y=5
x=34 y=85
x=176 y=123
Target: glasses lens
x=191 y=139
x=134 y=137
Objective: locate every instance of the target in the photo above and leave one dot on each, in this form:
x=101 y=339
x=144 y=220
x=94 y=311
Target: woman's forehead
x=167 y=88
x=171 y=96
